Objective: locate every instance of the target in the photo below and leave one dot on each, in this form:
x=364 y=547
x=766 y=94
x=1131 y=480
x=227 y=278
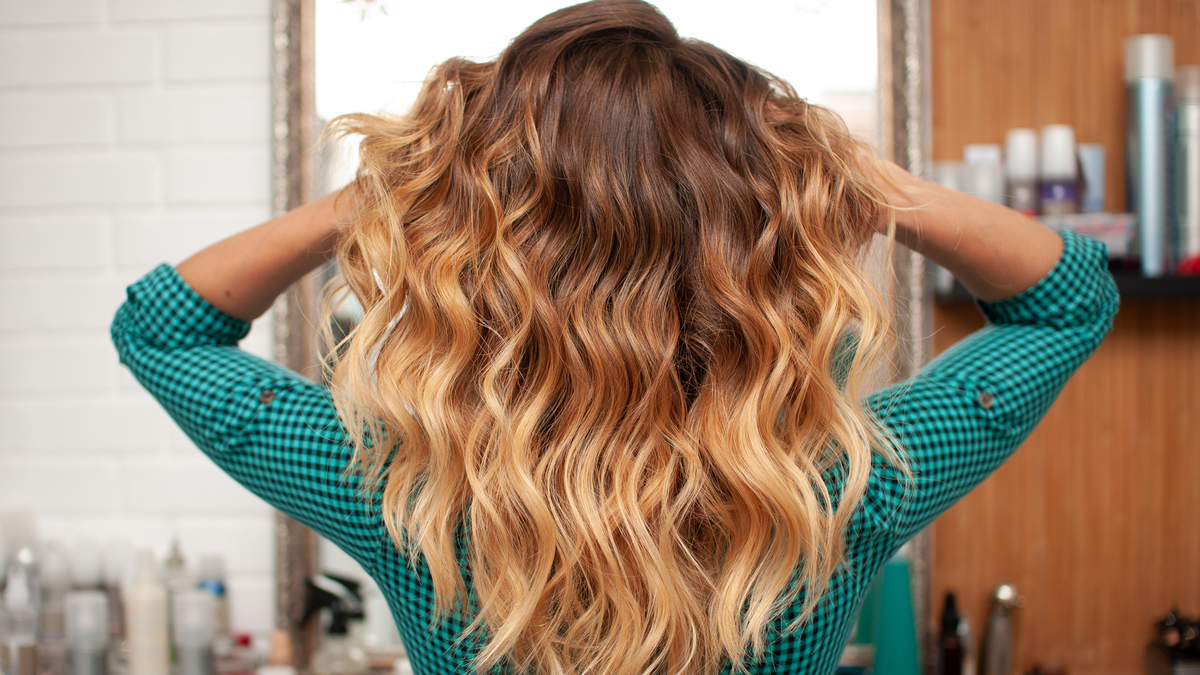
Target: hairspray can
x=1187 y=168
x=1149 y=74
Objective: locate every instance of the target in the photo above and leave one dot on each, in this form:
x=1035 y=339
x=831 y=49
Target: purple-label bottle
x=1059 y=197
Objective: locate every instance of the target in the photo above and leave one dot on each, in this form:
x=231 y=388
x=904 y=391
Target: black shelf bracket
x=1130 y=284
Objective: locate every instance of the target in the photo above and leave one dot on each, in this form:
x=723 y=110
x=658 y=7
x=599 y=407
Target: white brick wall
x=131 y=132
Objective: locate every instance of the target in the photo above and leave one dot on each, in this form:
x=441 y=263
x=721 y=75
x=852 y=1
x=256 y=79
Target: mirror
x=865 y=59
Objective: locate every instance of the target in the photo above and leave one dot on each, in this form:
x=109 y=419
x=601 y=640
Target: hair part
x=607 y=281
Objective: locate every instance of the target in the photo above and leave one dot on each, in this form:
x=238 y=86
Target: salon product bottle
x=1149 y=71
x=55 y=582
x=271 y=669
x=116 y=562
x=176 y=576
x=146 y=618
x=3 y=557
x=970 y=658
x=1058 y=181
x=1091 y=166
x=279 y=655
x=20 y=606
x=211 y=577
x=984 y=172
x=1021 y=170
x=87 y=632
x=87 y=570
x=3 y=632
x=338 y=653
x=379 y=629
x=950 y=175
x=998 y=646
x=194 y=627
x=1187 y=169
x=950 y=647
x=20 y=538
x=982 y=153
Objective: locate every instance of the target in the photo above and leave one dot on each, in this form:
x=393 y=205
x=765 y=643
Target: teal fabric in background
x=896 y=632
x=886 y=624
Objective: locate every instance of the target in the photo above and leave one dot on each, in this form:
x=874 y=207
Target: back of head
x=606 y=279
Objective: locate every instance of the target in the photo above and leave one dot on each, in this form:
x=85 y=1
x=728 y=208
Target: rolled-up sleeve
x=974 y=405
x=273 y=431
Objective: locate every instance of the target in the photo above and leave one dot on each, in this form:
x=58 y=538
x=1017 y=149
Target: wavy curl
x=607 y=281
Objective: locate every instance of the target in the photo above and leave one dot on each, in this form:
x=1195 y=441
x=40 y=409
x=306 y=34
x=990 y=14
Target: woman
x=603 y=412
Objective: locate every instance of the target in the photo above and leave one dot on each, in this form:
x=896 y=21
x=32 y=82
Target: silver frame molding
x=297 y=548
x=906 y=109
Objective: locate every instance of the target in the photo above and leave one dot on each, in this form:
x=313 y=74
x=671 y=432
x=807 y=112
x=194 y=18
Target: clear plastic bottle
x=985 y=172
x=3 y=630
x=211 y=576
x=340 y=652
x=193 y=627
x=339 y=655
x=19 y=602
x=87 y=632
x=176 y=576
x=146 y=619
x=116 y=564
x=55 y=582
x=952 y=175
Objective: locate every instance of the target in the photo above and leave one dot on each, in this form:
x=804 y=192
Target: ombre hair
x=616 y=330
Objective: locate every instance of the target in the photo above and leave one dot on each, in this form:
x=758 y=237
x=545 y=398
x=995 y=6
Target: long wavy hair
x=607 y=283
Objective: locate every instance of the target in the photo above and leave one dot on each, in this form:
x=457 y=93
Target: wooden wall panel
x=1096 y=518
x=1000 y=64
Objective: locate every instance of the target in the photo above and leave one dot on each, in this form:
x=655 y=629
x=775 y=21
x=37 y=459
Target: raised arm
x=1049 y=301
x=242 y=275
x=993 y=250
x=270 y=429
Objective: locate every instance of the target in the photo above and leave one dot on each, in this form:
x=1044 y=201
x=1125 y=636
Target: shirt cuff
x=1076 y=289
x=168 y=314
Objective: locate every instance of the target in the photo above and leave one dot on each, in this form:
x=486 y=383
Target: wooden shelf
x=1134 y=285
x=1129 y=284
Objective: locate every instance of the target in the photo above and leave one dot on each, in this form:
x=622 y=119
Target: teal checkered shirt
x=279 y=435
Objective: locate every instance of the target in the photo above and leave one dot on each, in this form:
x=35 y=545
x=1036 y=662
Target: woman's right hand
x=242 y=275
x=996 y=252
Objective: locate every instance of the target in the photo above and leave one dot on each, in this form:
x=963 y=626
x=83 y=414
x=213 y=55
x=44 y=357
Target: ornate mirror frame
x=906 y=134
x=293 y=122
x=905 y=107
